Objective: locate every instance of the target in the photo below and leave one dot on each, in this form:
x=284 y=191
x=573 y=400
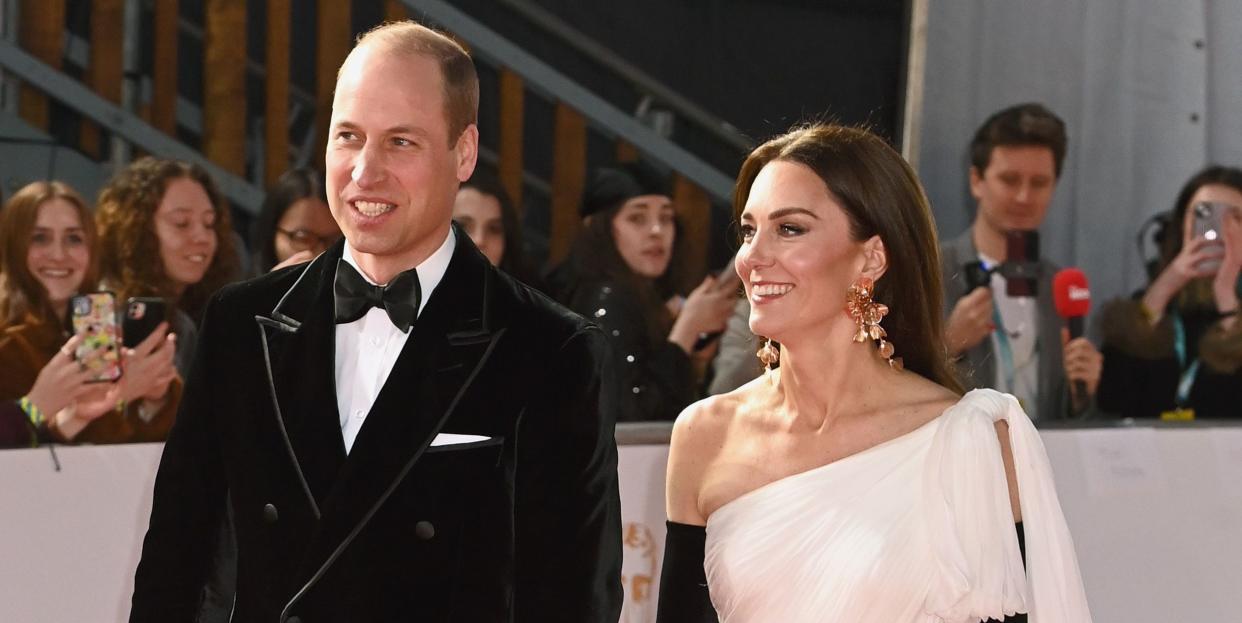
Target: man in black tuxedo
x=437 y=449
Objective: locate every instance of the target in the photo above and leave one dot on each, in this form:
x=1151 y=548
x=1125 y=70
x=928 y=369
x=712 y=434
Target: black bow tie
x=354 y=296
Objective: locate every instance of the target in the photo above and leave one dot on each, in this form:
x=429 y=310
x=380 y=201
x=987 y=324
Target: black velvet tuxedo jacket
x=524 y=526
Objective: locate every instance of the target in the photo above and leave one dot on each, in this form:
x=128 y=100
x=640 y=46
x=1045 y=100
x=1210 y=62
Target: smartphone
x=142 y=315
x=1206 y=225
x=93 y=317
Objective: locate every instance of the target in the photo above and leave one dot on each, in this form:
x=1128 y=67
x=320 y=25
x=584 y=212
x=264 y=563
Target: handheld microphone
x=1073 y=301
x=1021 y=265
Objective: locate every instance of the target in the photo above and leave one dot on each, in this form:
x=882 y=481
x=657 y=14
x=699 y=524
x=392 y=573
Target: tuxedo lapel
x=451 y=341
x=299 y=342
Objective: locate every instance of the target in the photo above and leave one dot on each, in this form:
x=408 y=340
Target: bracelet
x=32 y=411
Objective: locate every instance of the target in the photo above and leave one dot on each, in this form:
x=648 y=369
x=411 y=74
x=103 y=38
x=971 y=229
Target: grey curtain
x=1150 y=90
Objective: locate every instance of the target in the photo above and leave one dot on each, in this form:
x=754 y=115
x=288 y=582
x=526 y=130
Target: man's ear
x=976 y=182
x=467 y=149
x=875 y=258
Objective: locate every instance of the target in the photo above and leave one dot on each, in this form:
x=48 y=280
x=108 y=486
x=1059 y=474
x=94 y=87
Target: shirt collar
x=430 y=271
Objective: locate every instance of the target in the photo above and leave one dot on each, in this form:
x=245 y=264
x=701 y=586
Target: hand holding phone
x=1206 y=225
x=93 y=317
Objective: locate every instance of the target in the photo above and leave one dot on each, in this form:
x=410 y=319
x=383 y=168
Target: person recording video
x=1175 y=349
x=1004 y=337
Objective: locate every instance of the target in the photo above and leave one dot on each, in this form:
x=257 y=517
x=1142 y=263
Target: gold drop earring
x=868 y=314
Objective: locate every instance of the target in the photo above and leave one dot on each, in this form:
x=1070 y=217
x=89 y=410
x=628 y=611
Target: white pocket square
x=452 y=439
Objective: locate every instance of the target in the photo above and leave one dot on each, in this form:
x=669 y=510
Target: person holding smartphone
x=1175 y=348
x=618 y=275
x=47 y=256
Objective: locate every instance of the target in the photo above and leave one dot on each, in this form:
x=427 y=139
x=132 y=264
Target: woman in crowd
x=484 y=211
x=854 y=483
x=1176 y=348
x=47 y=255
x=617 y=274
x=164 y=232
x=294 y=224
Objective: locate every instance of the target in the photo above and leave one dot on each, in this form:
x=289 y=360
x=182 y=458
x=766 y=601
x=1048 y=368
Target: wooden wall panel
x=694 y=210
x=512 y=122
x=164 y=71
x=224 y=85
x=276 y=97
x=626 y=152
x=395 y=11
x=333 y=45
x=105 y=69
x=41 y=33
x=569 y=139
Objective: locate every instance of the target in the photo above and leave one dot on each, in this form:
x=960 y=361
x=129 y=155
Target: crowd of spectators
x=161 y=231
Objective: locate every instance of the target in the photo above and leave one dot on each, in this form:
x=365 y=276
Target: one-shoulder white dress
x=916 y=529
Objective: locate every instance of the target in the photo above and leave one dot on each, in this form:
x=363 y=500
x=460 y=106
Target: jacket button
x=270 y=516
x=424 y=530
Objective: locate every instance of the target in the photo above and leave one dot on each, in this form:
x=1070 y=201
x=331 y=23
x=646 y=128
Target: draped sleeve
x=971 y=526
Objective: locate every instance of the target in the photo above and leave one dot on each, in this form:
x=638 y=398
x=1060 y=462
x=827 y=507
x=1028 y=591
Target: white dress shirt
x=367 y=348
x=1020 y=322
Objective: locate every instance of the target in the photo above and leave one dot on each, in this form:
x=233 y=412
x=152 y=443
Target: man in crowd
x=1013 y=343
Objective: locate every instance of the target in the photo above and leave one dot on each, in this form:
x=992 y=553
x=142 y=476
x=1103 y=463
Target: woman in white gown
x=841 y=487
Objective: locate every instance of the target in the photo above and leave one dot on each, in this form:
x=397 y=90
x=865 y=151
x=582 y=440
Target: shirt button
x=358 y=414
x=375 y=341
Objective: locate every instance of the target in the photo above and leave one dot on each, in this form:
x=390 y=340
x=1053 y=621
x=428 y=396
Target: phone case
x=142 y=315
x=94 y=317
x=1207 y=220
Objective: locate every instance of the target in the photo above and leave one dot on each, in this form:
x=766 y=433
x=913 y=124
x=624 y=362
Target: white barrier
x=1156 y=516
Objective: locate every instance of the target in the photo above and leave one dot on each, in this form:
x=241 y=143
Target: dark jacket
x=524 y=526
x=1142 y=371
x=656 y=377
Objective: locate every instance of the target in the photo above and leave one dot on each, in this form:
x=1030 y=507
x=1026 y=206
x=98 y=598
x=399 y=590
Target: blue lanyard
x=1006 y=351
x=1189 y=373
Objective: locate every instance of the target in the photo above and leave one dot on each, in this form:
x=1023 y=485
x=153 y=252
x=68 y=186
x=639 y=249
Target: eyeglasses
x=306 y=239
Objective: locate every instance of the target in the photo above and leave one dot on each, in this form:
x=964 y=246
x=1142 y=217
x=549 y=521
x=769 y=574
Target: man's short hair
x=1024 y=125
x=461 y=82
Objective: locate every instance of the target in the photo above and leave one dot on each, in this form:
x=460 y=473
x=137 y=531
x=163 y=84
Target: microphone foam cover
x=1071 y=294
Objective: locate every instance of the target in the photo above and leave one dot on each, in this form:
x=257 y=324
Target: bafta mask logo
x=638 y=570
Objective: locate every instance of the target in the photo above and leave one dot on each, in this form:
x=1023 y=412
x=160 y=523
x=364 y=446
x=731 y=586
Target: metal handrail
x=608 y=59
x=122 y=122
x=489 y=45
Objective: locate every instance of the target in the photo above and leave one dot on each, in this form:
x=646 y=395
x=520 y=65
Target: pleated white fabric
x=917 y=529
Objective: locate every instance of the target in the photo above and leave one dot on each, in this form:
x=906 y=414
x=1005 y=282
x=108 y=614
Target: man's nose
x=368 y=167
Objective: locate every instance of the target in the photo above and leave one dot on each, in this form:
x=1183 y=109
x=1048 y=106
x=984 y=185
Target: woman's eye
x=75 y=239
x=748 y=231
x=496 y=229
x=40 y=238
x=789 y=229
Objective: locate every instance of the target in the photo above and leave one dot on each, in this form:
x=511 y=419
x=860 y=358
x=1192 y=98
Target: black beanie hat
x=612 y=186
